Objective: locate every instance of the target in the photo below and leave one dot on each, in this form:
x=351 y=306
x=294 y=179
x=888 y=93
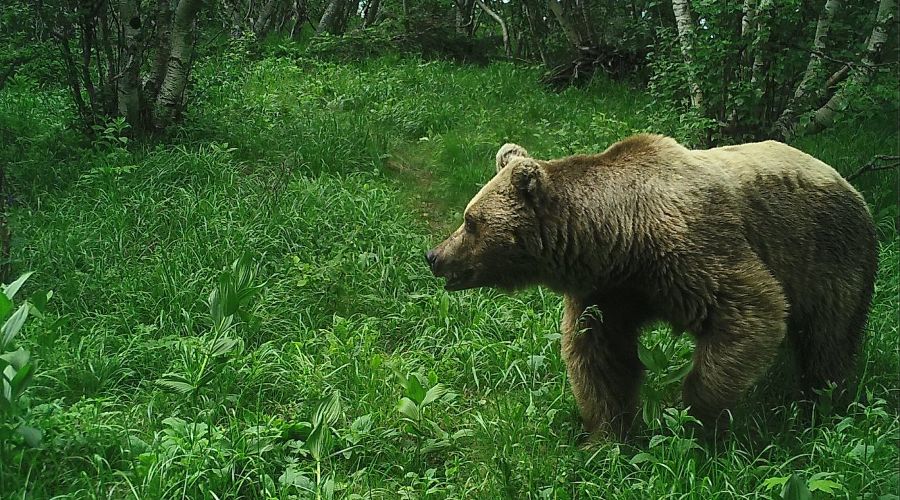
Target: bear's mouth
x=457 y=281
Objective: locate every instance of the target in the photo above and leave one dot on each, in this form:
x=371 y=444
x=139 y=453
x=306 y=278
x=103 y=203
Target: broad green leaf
x=176 y=382
x=293 y=477
x=462 y=433
x=435 y=445
x=20 y=382
x=39 y=301
x=414 y=389
x=11 y=289
x=362 y=424
x=772 y=482
x=435 y=393
x=17 y=358
x=329 y=411
x=795 y=489
x=825 y=486
x=6 y=306
x=678 y=374
x=408 y=408
x=12 y=325
x=647 y=358
x=319 y=442
x=862 y=451
x=222 y=346
x=641 y=458
x=31 y=435
x=660 y=360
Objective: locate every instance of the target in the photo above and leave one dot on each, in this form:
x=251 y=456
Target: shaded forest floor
x=335 y=179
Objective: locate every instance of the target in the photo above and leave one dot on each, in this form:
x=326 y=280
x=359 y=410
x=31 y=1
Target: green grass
x=335 y=179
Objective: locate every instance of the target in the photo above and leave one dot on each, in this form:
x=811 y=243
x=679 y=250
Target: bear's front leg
x=603 y=367
x=738 y=343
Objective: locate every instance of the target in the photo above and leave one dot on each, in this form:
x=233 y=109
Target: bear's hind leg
x=603 y=368
x=739 y=342
x=826 y=347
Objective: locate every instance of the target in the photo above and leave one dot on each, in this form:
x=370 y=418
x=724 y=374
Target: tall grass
x=335 y=179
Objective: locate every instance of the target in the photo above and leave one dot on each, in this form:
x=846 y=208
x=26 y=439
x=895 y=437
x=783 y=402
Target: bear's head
x=499 y=243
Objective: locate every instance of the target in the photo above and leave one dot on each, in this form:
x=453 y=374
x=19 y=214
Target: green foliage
x=17 y=369
x=328 y=361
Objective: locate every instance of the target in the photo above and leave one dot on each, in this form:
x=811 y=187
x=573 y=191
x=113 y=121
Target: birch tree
x=861 y=74
x=170 y=98
x=134 y=62
x=500 y=21
x=331 y=18
x=371 y=12
x=761 y=31
x=685 y=24
x=812 y=82
x=570 y=25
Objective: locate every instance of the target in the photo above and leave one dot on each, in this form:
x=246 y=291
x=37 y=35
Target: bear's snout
x=431 y=259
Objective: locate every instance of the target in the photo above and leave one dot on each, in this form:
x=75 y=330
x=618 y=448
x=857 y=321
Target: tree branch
x=873 y=165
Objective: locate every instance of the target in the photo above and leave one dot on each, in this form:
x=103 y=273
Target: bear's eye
x=470 y=225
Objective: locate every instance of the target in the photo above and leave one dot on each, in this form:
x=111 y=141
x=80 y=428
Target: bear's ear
x=507 y=152
x=527 y=175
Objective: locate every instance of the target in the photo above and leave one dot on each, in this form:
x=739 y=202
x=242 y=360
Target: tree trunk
x=371 y=12
x=536 y=34
x=762 y=38
x=810 y=84
x=747 y=26
x=87 y=117
x=861 y=74
x=87 y=36
x=330 y=22
x=500 y=21
x=109 y=88
x=584 y=8
x=685 y=24
x=263 y=21
x=171 y=93
x=129 y=103
x=465 y=17
x=301 y=15
x=162 y=39
x=351 y=9
x=573 y=34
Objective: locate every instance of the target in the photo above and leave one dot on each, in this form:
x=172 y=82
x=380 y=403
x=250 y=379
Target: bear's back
x=754 y=163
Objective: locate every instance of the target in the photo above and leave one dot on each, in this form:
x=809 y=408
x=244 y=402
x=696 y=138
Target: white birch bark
x=330 y=21
x=162 y=39
x=762 y=36
x=500 y=21
x=861 y=74
x=747 y=26
x=685 y=24
x=169 y=100
x=129 y=100
x=371 y=13
x=811 y=83
x=573 y=34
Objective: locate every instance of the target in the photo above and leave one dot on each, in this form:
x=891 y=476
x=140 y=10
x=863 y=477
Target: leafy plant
x=16 y=366
x=794 y=487
x=202 y=361
x=416 y=407
x=659 y=366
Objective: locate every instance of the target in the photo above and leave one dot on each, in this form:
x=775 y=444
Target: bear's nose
x=431 y=258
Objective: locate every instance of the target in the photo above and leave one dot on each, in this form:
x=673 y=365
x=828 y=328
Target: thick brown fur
x=746 y=247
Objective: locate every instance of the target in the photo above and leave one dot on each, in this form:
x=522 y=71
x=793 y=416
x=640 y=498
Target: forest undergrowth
x=243 y=311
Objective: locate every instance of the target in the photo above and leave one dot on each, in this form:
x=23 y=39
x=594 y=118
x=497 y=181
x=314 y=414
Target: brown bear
x=745 y=247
